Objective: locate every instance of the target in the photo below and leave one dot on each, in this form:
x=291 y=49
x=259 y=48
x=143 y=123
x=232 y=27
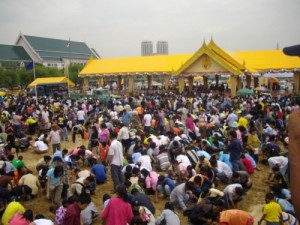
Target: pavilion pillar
x=238 y=82
x=181 y=84
x=120 y=78
x=85 y=84
x=100 y=81
x=191 y=83
x=296 y=82
x=255 y=81
x=149 y=80
x=248 y=81
x=217 y=78
x=233 y=83
x=167 y=81
x=205 y=82
x=130 y=84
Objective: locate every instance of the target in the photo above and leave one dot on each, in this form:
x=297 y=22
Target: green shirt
x=16 y=163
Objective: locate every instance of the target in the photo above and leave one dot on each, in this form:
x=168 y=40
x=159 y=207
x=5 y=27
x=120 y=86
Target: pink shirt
x=117 y=212
x=151 y=180
x=18 y=219
x=103 y=135
x=190 y=124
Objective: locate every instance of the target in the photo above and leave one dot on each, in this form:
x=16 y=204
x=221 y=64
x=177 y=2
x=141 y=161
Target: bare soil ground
x=253 y=201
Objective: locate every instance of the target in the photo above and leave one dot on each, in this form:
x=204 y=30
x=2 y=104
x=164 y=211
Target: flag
x=68 y=44
x=30 y=66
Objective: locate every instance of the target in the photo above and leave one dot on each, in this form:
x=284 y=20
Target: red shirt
x=72 y=216
x=117 y=212
x=248 y=165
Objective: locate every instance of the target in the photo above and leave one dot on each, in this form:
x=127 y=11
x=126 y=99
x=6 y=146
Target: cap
x=136 y=203
x=235 y=124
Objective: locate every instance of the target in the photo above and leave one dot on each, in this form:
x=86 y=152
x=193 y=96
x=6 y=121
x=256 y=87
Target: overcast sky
x=116 y=28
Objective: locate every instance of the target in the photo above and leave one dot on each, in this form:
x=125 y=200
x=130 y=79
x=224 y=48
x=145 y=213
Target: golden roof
x=235 y=63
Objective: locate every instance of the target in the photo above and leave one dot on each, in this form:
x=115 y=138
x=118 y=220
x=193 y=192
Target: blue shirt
x=169 y=182
x=225 y=158
x=203 y=153
x=235 y=148
x=251 y=159
x=53 y=180
x=135 y=156
x=100 y=173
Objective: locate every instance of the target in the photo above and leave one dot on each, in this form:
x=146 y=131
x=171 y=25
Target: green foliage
x=74 y=71
x=9 y=79
x=15 y=78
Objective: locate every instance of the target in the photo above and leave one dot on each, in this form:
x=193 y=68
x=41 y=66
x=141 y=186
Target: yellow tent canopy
x=50 y=80
x=236 y=63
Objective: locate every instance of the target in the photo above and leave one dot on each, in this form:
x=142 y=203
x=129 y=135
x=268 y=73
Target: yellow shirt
x=243 y=122
x=271 y=210
x=253 y=141
x=11 y=209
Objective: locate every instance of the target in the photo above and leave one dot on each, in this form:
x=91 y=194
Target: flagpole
x=68 y=67
x=36 y=97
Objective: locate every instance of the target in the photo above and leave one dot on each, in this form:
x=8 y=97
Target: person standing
x=123 y=136
x=235 y=149
x=147 y=122
x=55 y=184
x=55 y=138
x=271 y=211
x=115 y=160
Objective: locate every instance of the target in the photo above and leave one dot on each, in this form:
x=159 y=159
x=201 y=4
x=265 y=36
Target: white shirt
x=280 y=160
x=40 y=146
x=116 y=150
x=145 y=161
x=123 y=134
x=230 y=190
x=183 y=159
x=43 y=222
x=147 y=120
x=223 y=167
x=80 y=115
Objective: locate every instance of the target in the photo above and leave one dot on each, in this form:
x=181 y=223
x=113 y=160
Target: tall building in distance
x=162 y=48
x=147 y=48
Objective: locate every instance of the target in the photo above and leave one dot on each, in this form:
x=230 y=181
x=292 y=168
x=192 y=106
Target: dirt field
x=253 y=201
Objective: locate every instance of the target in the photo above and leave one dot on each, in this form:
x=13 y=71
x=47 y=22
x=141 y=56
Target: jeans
x=235 y=165
x=55 y=195
x=165 y=189
x=222 y=176
x=64 y=135
x=55 y=147
x=116 y=175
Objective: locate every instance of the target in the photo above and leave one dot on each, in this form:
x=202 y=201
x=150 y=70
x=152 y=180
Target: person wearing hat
x=231 y=118
x=144 y=214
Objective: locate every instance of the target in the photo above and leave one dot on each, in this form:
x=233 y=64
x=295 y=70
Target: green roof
x=13 y=53
x=55 y=49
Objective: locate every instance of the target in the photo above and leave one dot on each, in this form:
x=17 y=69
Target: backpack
x=83 y=190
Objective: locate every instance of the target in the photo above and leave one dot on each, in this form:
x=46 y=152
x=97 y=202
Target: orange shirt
x=234 y=216
x=140 y=110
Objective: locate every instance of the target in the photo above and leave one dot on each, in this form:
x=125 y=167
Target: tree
x=9 y=79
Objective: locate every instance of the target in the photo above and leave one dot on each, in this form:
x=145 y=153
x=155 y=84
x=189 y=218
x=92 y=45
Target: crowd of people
x=195 y=152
